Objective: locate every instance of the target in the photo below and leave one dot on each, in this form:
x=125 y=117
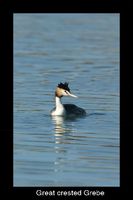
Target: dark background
x=6 y=92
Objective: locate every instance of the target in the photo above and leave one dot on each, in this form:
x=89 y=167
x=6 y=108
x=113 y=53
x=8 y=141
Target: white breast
x=58 y=111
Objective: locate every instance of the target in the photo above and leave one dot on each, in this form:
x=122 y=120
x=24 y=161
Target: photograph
x=66 y=100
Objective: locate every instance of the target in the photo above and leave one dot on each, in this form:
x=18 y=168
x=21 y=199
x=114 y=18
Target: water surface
x=82 y=49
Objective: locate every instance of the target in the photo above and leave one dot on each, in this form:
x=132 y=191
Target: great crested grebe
x=65 y=109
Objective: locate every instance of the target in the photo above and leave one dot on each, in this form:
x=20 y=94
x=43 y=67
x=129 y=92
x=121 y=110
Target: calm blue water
x=82 y=49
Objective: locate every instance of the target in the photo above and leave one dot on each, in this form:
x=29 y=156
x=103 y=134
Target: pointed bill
x=72 y=95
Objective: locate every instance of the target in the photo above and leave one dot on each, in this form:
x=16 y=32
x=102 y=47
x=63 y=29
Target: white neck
x=59 y=107
x=58 y=102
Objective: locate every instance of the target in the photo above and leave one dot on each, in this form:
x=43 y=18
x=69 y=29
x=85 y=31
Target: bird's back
x=72 y=109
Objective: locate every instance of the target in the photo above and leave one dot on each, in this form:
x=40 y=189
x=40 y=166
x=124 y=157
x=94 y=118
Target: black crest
x=64 y=86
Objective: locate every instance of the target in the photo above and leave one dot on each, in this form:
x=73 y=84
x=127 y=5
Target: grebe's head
x=63 y=90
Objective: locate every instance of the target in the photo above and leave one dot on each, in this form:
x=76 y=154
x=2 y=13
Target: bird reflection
x=63 y=132
x=63 y=125
x=59 y=125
